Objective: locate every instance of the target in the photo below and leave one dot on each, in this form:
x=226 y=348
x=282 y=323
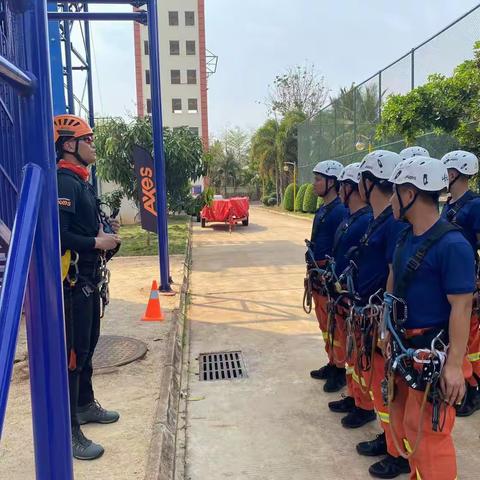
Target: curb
x=161 y=454
x=292 y=215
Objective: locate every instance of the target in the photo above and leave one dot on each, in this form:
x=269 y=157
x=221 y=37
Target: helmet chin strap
x=404 y=209
x=453 y=181
x=327 y=189
x=347 y=196
x=368 y=191
x=78 y=156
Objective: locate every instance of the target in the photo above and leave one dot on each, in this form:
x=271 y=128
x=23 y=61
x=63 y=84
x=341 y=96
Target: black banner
x=147 y=192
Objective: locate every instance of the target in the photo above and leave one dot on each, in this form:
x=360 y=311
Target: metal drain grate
x=221 y=366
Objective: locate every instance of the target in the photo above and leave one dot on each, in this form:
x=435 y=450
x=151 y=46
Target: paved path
x=274 y=425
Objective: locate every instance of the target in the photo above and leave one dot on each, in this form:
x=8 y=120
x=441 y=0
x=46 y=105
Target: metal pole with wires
x=158 y=149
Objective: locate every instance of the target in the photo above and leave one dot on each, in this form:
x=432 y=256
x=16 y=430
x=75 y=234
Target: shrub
x=299 y=198
x=272 y=201
x=319 y=202
x=310 y=200
x=288 y=198
x=265 y=199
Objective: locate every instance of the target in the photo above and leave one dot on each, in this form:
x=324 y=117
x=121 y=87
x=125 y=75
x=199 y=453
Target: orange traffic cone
x=154 y=310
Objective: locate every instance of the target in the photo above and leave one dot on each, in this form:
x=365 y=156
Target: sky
x=346 y=40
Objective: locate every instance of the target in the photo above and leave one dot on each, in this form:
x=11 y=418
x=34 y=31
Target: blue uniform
x=348 y=235
x=468 y=217
x=325 y=224
x=447 y=269
x=375 y=255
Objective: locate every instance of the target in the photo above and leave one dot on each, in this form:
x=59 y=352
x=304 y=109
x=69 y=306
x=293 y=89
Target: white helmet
x=350 y=172
x=380 y=163
x=425 y=173
x=463 y=162
x=329 y=168
x=416 y=151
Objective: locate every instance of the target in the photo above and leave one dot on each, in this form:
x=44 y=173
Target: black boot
x=323 y=372
x=345 y=405
x=336 y=381
x=471 y=402
x=83 y=448
x=389 y=467
x=358 y=417
x=373 y=448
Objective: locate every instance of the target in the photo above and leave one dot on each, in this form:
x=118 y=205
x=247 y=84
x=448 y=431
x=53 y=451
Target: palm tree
x=356 y=114
x=264 y=150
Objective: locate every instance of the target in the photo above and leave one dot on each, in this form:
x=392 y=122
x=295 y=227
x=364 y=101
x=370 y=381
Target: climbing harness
x=419 y=355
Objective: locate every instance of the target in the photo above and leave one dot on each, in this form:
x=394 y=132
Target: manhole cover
x=221 y=366
x=114 y=351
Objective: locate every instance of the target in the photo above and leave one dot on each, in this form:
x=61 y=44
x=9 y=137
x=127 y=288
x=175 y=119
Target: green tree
x=237 y=142
x=355 y=113
x=300 y=197
x=289 y=198
x=300 y=88
x=443 y=104
x=264 y=151
x=310 y=200
x=184 y=159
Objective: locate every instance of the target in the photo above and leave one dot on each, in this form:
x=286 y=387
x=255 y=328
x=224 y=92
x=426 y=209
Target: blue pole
x=16 y=273
x=158 y=151
x=44 y=310
x=55 y=45
x=68 y=63
x=91 y=106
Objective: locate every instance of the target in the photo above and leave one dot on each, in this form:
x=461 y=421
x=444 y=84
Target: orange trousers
x=369 y=395
x=336 y=346
x=435 y=457
x=473 y=348
x=322 y=317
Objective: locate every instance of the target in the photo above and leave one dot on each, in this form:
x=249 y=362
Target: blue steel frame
x=31 y=267
x=151 y=18
x=37 y=235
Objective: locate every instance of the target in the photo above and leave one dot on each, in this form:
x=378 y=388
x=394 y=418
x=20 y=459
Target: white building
x=183 y=62
x=183 y=75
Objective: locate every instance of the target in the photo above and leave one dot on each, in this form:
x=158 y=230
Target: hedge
x=299 y=198
x=310 y=200
x=288 y=198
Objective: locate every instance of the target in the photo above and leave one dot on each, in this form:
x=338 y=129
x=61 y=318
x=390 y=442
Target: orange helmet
x=70 y=126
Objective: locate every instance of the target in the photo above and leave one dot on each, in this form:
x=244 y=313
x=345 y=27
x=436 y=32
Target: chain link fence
x=345 y=129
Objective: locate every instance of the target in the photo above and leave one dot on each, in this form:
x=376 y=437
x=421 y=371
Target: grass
x=137 y=242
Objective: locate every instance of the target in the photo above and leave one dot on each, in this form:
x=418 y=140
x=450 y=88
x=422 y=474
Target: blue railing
x=28 y=140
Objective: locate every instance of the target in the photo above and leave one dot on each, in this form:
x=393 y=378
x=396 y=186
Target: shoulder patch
x=64 y=202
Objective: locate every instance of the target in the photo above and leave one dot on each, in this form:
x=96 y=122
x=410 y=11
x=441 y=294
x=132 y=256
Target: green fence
x=345 y=129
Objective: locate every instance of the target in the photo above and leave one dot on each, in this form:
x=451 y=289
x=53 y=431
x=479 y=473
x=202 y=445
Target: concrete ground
x=246 y=291
x=132 y=389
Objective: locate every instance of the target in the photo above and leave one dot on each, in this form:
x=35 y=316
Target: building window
x=176 y=105
x=194 y=130
x=173 y=19
x=149 y=106
x=190 y=19
x=191 y=77
x=175 y=76
x=174 y=47
x=147 y=77
x=146 y=48
x=190 y=47
x=192 y=105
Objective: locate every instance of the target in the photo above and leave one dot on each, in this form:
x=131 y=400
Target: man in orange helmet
x=85 y=241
